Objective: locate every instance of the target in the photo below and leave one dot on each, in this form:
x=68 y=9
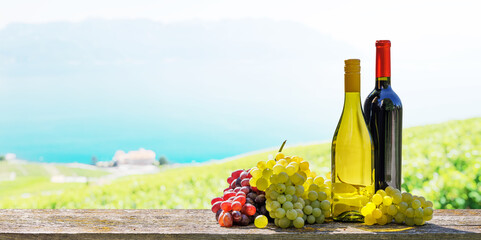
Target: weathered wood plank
x=200 y=224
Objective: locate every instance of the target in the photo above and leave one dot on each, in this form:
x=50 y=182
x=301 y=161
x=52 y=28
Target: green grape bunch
x=294 y=194
x=402 y=208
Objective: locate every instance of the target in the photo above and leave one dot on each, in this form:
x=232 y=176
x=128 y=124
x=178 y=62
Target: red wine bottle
x=383 y=114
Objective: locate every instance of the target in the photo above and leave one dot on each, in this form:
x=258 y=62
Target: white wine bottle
x=352 y=158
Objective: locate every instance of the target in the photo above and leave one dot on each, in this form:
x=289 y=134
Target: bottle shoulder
x=384 y=95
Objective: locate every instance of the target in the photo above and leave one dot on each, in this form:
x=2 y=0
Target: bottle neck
x=352 y=83
x=352 y=102
x=383 y=64
x=383 y=82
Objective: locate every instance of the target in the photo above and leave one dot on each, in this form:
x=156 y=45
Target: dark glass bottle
x=383 y=114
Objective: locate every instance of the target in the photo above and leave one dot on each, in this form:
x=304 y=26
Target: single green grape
x=278 y=168
x=403 y=206
x=407 y=197
x=304 y=165
x=326 y=205
x=281 y=198
x=319 y=180
x=428 y=211
x=273 y=179
x=311 y=219
x=416 y=204
x=409 y=221
x=273 y=195
x=261 y=221
x=271 y=163
x=381 y=192
x=389 y=190
x=377 y=199
x=320 y=219
x=268 y=205
x=327 y=213
x=383 y=208
x=399 y=218
x=261 y=165
x=291 y=214
x=308 y=210
x=275 y=205
x=280 y=188
x=287 y=205
x=321 y=196
x=290 y=170
x=315 y=204
x=422 y=200
x=283 y=162
x=267 y=173
x=299 y=190
x=272 y=214
x=295 y=164
x=387 y=200
x=389 y=218
x=427 y=218
x=365 y=211
x=377 y=213
x=382 y=220
x=298 y=205
x=316 y=212
x=396 y=191
x=396 y=198
x=298 y=222
x=288 y=197
x=314 y=187
x=418 y=212
x=283 y=177
x=369 y=220
x=392 y=210
x=312 y=195
x=284 y=222
x=262 y=184
x=371 y=206
x=280 y=213
x=291 y=190
x=409 y=212
x=296 y=178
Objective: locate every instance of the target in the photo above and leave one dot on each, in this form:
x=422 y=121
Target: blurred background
x=113 y=98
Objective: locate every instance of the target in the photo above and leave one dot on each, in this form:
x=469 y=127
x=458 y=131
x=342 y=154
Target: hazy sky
x=436 y=37
x=435 y=46
x=356 y=22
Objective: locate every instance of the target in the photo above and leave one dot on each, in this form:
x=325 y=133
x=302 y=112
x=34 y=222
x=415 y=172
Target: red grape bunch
x=240 y=203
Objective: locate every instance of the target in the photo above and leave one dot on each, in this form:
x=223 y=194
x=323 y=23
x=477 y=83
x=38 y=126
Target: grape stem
x=282 y=146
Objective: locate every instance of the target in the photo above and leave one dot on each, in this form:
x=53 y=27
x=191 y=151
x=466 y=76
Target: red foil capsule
x=383 y=58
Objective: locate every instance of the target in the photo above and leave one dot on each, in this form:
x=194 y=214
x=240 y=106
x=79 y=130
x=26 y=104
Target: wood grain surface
x=200 y=224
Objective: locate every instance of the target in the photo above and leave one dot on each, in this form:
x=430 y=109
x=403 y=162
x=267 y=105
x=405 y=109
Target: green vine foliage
x=441 y=162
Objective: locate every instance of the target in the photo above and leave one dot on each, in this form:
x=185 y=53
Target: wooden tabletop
x=200 y=224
